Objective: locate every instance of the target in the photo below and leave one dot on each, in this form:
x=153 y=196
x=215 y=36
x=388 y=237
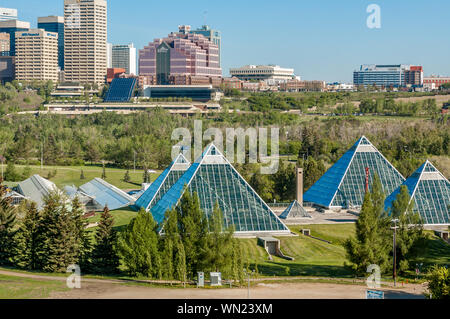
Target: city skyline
x=322 y=43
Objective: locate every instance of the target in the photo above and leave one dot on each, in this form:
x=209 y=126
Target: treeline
x=120 y=139
x=391 y=107
x=56 y=236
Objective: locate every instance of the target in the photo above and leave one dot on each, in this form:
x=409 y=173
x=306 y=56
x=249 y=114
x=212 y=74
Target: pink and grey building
x=179 y=54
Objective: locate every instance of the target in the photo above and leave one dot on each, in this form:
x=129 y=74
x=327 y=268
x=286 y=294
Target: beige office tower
x=85 y=36
x=4 y=43
x=36 y=55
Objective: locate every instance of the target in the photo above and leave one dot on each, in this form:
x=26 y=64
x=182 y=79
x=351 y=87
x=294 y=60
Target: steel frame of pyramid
x=343 y=185
x=430 y=191
x=215 y=180
x=163 y=183
x=294 y=205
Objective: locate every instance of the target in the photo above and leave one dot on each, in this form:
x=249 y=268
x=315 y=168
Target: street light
x=248 y=287
x=395 y=221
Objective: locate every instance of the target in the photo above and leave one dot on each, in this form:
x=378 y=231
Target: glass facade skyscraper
x=55 y=24
x=124 y=57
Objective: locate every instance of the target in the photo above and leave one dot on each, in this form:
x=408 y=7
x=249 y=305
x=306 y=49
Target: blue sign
x=374 y=294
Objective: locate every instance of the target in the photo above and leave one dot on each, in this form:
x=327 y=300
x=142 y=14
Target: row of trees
x=190 y=242
x=55 y=237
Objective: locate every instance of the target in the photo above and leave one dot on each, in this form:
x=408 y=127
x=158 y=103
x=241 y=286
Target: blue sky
x=321 y=39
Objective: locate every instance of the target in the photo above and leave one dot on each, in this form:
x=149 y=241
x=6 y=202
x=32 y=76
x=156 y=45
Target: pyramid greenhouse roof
x=430 y=191
x=344 y=184
x=163 y=183
x=295 y=210
x=215 y=180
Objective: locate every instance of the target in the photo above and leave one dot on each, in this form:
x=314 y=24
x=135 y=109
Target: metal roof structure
x=106 y=194
x=86 y=200
x=215 y=180
x=344 y=184
x=163 y=183
x=430 y=191
x=295 y=210
x=36 y=188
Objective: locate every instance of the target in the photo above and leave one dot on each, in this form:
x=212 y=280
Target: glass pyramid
x=430 y=191
x=163 y=183
x=344 y=184
x=215 y=180
x=295 y=210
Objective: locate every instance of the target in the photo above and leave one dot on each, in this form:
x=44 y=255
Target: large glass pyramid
x=215 y=180
x=163 y=183
x=295 y=210
x=344 y=184
x=430 y=191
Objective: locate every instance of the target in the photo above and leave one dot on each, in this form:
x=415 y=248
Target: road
x=121 y=289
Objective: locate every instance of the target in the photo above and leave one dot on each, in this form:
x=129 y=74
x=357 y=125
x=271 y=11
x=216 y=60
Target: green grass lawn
x=27 y=288
x=70 y=175
x=122 y=217
x=316 y=258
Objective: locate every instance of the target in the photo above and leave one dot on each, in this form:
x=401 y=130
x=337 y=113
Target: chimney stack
x=299 y=191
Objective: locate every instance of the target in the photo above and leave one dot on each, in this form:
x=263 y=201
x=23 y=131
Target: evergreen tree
x=146 y=177
x=7 y=228
x=59 y=242
x=138 y=246
x=285 y=182
x=180 y=263
x=127 y=178
x=26 y=172
x=104 y=256
x=193 y=230
x=27 y=239
x=410 y=239
x=219 y=245
x=103 y=171
x=371 y=244
x=170 y=243
x=11 y=174
x=83 y=245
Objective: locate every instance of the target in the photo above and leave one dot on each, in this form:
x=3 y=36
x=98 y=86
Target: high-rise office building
x=399 y=75
x=55 y=24
x=85 y=41
x=124 y=57
x=11 y=27
x=8 y=14
x=212 y=35
x=37 y=55
x=5 y=44
x=109 y=55
x=180 y=54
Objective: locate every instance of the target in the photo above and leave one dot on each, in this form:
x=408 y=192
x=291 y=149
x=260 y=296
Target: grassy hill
x=317 y=258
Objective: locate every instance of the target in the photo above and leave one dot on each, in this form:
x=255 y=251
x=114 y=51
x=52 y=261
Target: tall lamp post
x=395 y=221
x=248 y=273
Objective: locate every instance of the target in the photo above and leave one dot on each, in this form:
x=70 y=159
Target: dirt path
x=119 y=289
